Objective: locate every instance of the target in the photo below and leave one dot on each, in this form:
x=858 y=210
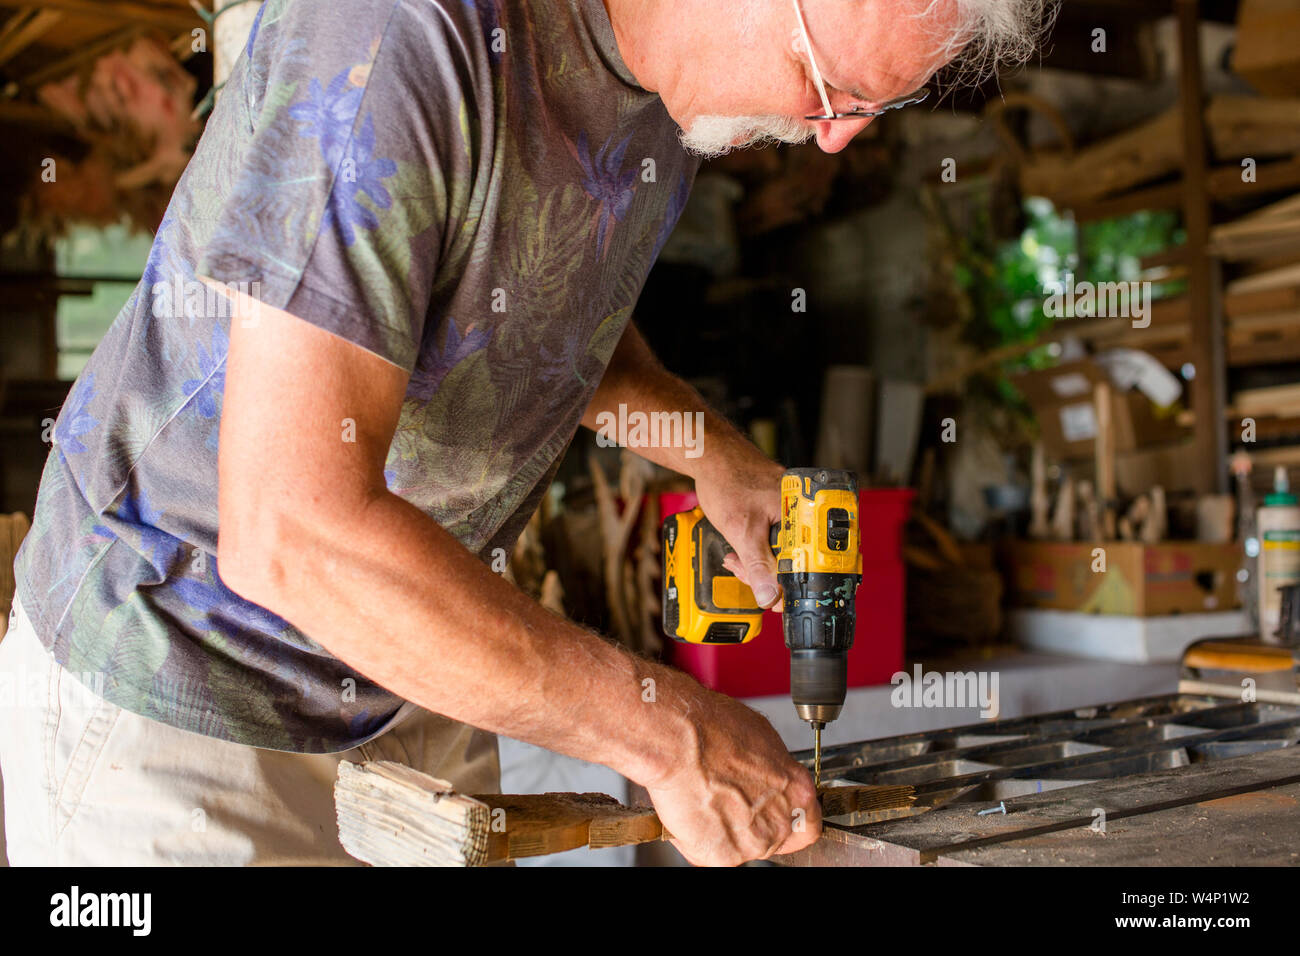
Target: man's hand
x=739 y=488
x=743 y=501
x=737 y=795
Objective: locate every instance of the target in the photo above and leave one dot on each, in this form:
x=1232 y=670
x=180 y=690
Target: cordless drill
x=819 y=566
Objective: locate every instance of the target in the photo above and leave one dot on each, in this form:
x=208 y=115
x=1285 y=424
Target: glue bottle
x=1279 y=551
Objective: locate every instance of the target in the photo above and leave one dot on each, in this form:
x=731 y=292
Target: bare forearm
x=395 y=596
x=636 y=379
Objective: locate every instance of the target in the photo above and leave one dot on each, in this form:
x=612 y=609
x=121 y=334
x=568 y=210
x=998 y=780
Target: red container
x=761 y=668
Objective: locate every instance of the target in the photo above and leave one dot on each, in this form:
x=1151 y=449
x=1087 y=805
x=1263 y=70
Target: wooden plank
x=37 y=117
x=1239 y=304
x=1256 y=238
x=1222 y=182
x=1163 y=196
x=1272 y=427
x=1269 y=281
x=168 y=16
x=1141 y=154
x=1253 y=126
x=1225 y=182
x=538 y=824
x=1272 y=400
x=24 y=29
x=1206 y=340
x=1260 y=828
x=1261 y=351
x=839 y=801
x=391 y=815
x=1268 y=458
x=1104 y=403
x=83 y=54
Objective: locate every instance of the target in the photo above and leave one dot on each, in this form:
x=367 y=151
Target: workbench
x=1176 y=779
x=1030 y=682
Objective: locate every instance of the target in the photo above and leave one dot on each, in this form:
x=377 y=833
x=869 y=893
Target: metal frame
x=1023 y=765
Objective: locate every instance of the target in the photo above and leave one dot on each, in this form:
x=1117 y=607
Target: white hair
x=988 y=34
x=991 y=33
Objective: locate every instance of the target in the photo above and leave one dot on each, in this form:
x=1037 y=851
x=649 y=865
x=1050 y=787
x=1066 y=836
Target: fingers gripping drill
x=819 y=567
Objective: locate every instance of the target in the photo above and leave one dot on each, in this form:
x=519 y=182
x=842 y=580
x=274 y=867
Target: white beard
x=711 y=136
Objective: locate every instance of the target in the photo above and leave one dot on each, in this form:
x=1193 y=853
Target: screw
x=1000 y=808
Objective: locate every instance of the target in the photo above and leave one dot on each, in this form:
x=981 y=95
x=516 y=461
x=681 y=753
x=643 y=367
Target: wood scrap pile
x=1070 y=176
x=1262 y=328
x=591 y=552
x=630 y=552
x=954 y=592
x=1263 y=129
x=1262 y=309
x=1268 y=232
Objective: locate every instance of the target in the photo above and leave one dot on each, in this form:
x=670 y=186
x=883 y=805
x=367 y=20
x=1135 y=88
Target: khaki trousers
x=87 y=783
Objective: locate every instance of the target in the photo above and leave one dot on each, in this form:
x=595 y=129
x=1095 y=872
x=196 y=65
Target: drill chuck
x=819 y=622
x=817 y=684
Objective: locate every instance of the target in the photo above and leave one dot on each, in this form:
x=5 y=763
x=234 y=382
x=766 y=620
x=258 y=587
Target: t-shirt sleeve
x=353 y=123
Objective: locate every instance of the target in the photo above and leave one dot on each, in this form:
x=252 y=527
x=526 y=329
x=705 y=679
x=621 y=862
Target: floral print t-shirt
x=473 y=190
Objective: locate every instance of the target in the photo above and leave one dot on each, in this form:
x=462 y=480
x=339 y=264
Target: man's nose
x=833 y=137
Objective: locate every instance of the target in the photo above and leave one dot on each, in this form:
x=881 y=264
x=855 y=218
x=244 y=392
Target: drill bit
x=817 y=754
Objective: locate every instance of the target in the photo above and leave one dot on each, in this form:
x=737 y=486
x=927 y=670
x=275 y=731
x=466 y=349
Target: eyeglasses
x=857 y=112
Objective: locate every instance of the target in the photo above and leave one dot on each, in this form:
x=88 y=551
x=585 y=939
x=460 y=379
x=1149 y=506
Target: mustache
x=713 y=136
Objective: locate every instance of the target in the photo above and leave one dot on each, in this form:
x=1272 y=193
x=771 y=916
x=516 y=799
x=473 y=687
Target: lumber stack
x=1264 y=233
x=1261 y=127
x=1262 y=308
x=1130 y=158
x=1262 y=323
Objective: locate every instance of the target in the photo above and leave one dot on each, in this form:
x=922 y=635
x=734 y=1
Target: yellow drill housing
x=819 y=527
x=703 y=602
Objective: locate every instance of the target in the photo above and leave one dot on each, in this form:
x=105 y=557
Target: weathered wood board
x=391 y=815
x=1259 y=828
x=1052 y=828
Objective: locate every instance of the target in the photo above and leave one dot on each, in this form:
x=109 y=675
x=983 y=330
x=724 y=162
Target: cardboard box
x=1062 y=399
x=1172 y=467
x=1176 y=577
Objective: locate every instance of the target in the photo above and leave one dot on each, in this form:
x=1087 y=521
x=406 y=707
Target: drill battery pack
x=703 y=602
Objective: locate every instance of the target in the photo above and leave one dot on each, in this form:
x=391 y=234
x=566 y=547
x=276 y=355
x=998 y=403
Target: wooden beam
x=391 y=815
x=23 y=29
x=1163 y=196
x=166 y=16
x=1226 y=181
x=90 y=51
x=37 y=117
x=1207 y=342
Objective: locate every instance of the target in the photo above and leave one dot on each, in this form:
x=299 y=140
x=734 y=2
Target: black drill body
x=819 y=567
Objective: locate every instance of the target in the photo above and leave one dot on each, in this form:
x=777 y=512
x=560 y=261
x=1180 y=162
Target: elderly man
x=393 y=281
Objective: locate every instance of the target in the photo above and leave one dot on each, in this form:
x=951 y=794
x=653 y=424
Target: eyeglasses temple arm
x=817 y=74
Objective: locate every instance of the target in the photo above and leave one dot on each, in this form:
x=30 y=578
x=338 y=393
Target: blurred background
x=911 y=308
